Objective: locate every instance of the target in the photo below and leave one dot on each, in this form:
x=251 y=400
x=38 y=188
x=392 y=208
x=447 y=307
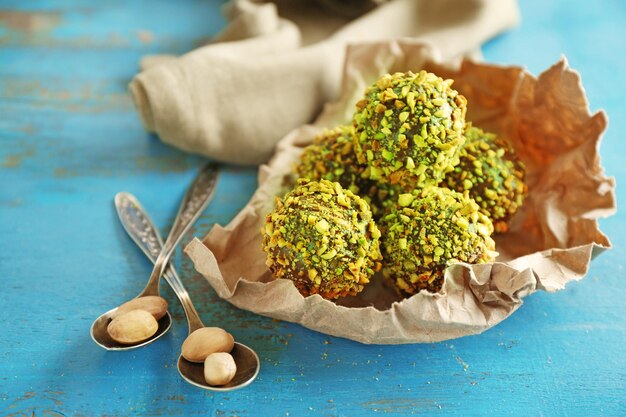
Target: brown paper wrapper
x=551 y=242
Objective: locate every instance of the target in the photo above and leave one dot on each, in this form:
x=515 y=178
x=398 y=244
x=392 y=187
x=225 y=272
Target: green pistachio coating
x=427 y=229
x=408 y=129
x=331 y=157
x=380 y=196
x=323 y=238
x=489 y=169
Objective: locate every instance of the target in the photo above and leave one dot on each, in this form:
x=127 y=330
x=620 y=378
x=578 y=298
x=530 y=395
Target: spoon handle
x=142 y=231
x=198 y=195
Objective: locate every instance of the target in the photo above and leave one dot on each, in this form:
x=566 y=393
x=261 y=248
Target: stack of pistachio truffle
x=409 y=187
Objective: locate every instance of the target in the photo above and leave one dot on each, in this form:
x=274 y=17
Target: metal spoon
x=198 y=195
x=147 y=237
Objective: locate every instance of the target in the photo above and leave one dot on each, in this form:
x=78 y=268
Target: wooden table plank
x=71 y=139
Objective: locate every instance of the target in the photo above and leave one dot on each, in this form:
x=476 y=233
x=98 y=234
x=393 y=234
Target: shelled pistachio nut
x=205 y=341
x=153 y=304
x=132 y=327
x=219 y=368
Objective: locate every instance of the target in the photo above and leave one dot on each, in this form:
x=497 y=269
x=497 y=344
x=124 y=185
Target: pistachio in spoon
x=148 y=239
x=133 y=327
x=247 y=365
x=130 y=323
x=211 y=346
x=204 y=341
x=153 y=304
x=198 y=195
x=219 y=368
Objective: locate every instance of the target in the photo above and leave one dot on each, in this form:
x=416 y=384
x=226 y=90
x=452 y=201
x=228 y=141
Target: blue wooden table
x=70 y=139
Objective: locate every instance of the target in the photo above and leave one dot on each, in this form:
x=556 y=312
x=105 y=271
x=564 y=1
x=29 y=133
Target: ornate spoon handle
x=138 y=225
x=198 y=195
x=142 y=231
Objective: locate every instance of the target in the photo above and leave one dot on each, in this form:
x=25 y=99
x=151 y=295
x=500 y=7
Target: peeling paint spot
x=60 y=172
x=145 y=36
x=12 y=203
x=400 y=405
x=15 y=160
x=87 y=98
x=180 y=398
x=63 y=173
x=28 y=129
x=29 y=22
x=12 y=161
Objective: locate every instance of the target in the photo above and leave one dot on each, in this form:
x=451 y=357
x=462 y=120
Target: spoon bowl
x=101 y=336
x=247 y=370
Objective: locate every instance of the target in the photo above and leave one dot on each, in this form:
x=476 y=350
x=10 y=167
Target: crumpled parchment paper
x=552 y=240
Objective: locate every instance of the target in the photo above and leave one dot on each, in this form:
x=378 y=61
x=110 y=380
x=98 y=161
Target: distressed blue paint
x=70 y=140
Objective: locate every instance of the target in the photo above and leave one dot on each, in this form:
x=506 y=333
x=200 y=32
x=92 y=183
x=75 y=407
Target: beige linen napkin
x=264 y=75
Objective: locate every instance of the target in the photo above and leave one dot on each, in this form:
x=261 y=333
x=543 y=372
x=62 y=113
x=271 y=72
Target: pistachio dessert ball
x=408 y=129
x=331 y=157
x=323 y=238
x=490 y=171
x=427 y=229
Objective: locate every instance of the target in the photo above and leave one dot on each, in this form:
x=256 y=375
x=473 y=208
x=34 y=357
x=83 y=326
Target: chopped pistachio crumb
x=405 y=200
x=331 y=157
x=322 y=226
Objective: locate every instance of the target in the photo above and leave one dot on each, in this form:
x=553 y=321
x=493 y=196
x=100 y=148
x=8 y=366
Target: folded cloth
x=264 y=75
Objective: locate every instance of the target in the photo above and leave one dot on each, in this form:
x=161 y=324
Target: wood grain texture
x=69 y=140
